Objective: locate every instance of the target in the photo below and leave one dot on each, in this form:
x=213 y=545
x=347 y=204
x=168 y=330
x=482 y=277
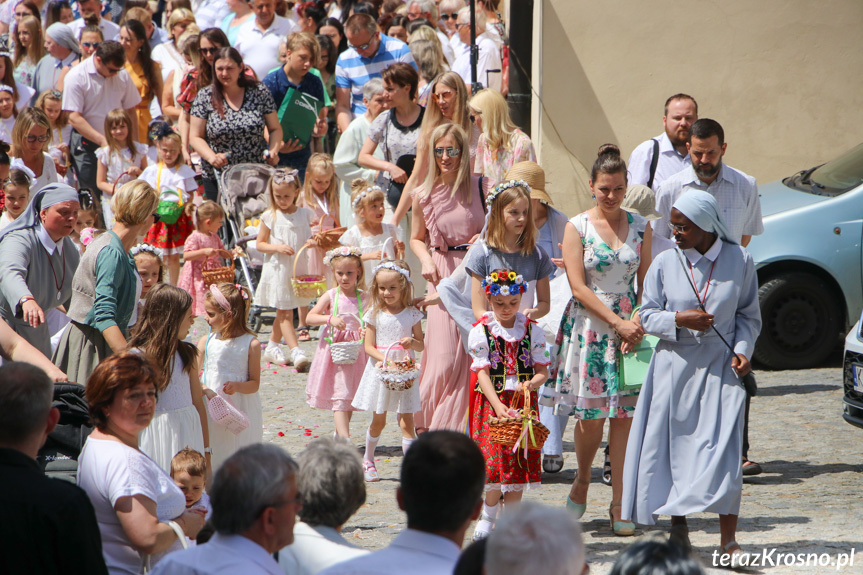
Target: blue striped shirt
x=353 y=71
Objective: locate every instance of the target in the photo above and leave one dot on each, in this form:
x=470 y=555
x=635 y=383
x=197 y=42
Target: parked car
x=852 y=378
x=809 y=262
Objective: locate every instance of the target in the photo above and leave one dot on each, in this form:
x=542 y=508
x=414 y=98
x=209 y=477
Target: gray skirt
x=81 y=349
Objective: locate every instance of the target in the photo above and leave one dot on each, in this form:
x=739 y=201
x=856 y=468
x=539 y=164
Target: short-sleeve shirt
x=532 y=267
x=109 y=30
x=92 y=95
x=117 y=163
x=180 y=178
x=109 y=470
x=494 y=164
x=394 y=140
x=240 y=132
x=259 y=48
x=278 y=84
x=353 y=70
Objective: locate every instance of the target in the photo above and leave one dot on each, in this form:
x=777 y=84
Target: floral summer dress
x=584 y=376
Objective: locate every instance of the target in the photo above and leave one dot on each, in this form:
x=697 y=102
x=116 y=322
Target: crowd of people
x=406 y=221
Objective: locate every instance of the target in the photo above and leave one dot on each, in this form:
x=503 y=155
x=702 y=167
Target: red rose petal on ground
x=281 y=434
x=316 y=436
x=280 y=408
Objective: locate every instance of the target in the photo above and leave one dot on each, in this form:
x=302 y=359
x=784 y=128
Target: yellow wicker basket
x=307 y=286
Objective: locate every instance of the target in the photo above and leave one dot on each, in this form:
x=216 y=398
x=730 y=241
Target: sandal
x=552 y=463
x=577 y=509
x=303 y=333
x=370 y=472
x=751 y=468
x=606 y=468
x=736 y=558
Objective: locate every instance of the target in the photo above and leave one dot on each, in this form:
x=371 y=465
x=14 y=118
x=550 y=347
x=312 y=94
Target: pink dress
x=445 y=380
x=316 y=255
x=191 y=276
x=331 y=386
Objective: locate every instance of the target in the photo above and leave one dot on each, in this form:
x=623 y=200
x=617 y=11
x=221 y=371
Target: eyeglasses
x=362 y=47
x=113 y=71
x=473 y=115
x=458 y=26
x=451 y=151
x=206 y=51
x=282 y=176
x=676 y=229
x=34 y=139
x=93 y=45
x=156 y=218
x=446 y=17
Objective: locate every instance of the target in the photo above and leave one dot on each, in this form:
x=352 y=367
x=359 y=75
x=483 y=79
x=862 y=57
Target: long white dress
x=367 y=244
x=371 y=393
x=228 y=360
x=176 y=424
x=275 y=289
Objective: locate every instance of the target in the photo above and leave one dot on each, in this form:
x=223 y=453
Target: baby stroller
x=243 y=196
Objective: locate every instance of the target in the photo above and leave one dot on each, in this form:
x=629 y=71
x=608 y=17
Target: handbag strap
x=206 y=347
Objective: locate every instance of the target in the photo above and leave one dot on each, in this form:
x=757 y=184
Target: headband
x=220 y=297
x=7 y=54
x=393 y=267
x=342 y=252
x=144 y=248
x=362 y=195
x=493 y=284
x=5 y=88
x=505 y=186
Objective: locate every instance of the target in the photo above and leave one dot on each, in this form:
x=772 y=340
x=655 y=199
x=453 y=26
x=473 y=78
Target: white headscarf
x=703 y=211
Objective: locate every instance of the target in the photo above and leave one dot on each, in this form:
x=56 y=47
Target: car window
x=840 y=175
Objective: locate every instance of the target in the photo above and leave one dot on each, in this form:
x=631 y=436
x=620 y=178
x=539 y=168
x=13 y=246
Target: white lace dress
x=228 y=360
x=275 y=288
x=176 y=423
x=371 y=393
x=354 y=237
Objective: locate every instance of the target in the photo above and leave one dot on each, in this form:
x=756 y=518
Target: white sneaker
x=274 y=354
x=299 y=359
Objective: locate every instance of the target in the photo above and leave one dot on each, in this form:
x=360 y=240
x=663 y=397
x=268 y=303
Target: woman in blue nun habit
x=683 y=454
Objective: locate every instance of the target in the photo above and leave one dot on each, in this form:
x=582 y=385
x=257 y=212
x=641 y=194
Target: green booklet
x=298 y=114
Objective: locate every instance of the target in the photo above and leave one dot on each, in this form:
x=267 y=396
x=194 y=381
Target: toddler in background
x=87 y=218
x=189 y=472
x=202 y=247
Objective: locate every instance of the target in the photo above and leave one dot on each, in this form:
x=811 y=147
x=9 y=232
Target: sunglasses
x=282 y=176
x=93 y=45
x=361 y=47
x=446 y=17
x=113 y=70
x=450 y=151
x=55 y=94
x=34 y=139
x=206 y=51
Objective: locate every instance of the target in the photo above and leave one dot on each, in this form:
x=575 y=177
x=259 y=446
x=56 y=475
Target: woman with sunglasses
x=31 y=137
x=105 y=289
x=88 y=40
x=501 y=144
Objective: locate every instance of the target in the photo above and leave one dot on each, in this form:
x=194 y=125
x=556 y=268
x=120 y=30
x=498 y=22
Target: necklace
x=59 y=285
x=702 y=299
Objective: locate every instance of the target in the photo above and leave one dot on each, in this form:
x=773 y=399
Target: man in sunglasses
x=369 y=53
x=428 y=9
x=91 y=90
x=62 y=51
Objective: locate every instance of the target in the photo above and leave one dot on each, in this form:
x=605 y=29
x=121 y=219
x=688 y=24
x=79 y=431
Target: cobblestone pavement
x=808 y=500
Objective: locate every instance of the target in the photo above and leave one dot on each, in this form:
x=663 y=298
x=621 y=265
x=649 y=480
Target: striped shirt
x=735 y=192
x=353 y=71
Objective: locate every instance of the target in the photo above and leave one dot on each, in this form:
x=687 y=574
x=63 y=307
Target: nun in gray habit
x=37 y=263
x=683 y=454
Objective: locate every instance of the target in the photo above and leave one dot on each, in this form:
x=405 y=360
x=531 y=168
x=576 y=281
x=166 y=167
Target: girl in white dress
x=391 y=319
x=180 y=420
x=122 y=155
x=232 y=367
x=285 y=228
x=370 y=233
x=16 y=190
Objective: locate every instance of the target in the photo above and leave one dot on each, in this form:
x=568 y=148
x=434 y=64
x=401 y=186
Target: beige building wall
x=783 y=77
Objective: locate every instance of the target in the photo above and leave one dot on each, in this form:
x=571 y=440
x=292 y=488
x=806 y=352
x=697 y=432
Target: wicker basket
x=307 y=286
x=218 y=275
x=226 y=414
x=328 y=239
x=345 y=352
x=398 y=375
x=509 y=431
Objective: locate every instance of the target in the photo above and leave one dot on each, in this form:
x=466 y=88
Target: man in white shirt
x=91 y=90
x=428 y=9
x=489 y=68
x=258 y=39
x=255 y=502
x=669 y=149
x=93 y=8
x=441 y=484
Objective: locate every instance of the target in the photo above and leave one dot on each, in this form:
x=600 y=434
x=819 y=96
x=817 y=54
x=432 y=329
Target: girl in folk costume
x=370 y=233
x=392 y=320
x=510 y=362
x=232 y=367
x=175 y=183
x=202 y=247
x=332 y=386
x=122 y=156
x=321 y=195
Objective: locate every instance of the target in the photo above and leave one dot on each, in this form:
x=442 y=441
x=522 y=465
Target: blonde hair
x=358 y=187
x=113 y=118
x=142 y=15
x=274 y=207
x=358 y=262
x=433 y=117
x=497 y=126
x=236 y=326
x=178 y=15
x=407 y=294
x=429 y=57
x=208 y=210
x=134 y=202
x=423 y=33
x=173 y=137
x=298 y=40
x=320 y=163
x=463 y=178
x=496 y=229
x=26 y=121
x=63 y=119
x=36 y=50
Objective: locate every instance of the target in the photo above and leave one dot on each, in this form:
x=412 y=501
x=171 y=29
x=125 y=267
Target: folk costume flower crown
x=141 y=248
x=504 y=283
x=342 y=252
x=505 y=186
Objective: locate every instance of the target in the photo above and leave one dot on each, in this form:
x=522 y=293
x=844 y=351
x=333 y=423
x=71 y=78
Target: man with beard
x=669 y=149
x=735 y=192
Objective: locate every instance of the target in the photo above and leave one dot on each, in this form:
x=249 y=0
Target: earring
x=594 y=197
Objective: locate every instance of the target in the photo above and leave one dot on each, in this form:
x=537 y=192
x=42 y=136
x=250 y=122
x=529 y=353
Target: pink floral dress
x=192 y=276
x=584 y=376
x=494 y=164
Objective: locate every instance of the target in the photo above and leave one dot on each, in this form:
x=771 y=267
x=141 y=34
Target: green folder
x=298 y=114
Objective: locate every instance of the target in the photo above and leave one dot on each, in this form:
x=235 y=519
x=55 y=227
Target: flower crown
x=141 y=248
x=5 y=88
x=505 y=186
x=393 y=267
x=87 y=235
x=493 y=284
x=342 y=252
x=362 y=196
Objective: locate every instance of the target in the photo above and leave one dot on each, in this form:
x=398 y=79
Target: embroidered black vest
x=507 y=359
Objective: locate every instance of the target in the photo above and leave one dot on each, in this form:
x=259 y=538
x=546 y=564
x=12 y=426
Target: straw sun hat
x=534 y=175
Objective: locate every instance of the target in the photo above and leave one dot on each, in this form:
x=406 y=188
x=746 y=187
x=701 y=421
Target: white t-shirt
x=109 y=470
x=119 y=163
x=260 y=50
x=180 y=178
x=49 y=172
x=6 y=125
x=169 y=58
x=109 y=30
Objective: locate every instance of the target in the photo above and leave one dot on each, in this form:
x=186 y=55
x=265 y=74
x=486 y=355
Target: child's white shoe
x=483 y=527
x=370 y=472
x=299 y=359
x=274 y=354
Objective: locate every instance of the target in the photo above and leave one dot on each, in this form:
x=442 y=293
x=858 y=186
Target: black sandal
x=606 y=468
